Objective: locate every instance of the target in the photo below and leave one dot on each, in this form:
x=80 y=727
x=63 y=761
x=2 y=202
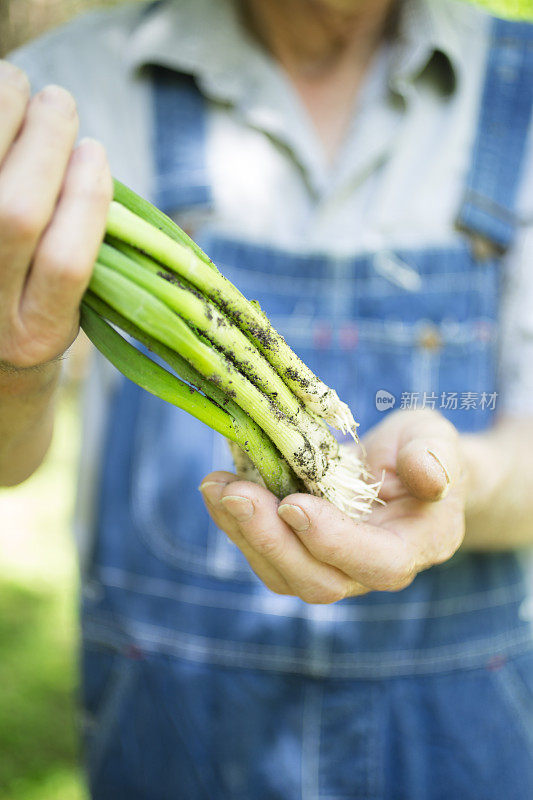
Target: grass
x=39 y=751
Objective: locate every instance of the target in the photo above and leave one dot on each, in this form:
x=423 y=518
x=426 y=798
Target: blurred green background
x=39 y=750
x=38 y=629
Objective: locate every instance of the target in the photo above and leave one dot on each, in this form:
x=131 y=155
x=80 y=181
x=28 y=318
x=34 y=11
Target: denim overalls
x=199 y=682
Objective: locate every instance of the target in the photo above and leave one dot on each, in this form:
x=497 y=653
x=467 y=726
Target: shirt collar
x=205 y=38
x=431 y=37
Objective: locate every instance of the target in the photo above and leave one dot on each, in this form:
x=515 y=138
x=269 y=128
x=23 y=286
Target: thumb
x=428 y=465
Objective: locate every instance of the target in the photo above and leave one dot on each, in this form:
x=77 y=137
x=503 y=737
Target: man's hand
x=53 y=206
x=54 y=199
x=304 y=546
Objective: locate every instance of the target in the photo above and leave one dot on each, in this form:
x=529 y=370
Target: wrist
x=26 y=419
x=18 y=382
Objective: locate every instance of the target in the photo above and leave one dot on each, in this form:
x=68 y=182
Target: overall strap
x=488 y=211
x=179 y=141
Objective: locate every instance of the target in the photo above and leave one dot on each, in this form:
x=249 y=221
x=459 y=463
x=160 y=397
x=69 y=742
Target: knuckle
x=96 y=192
x=320 y=540
x=357 y=590
x=12 y=101
x=14 y=78
x=21 y=219
x=311 y=595
x=444 y=555
x=449 y=548
x=329 y=551
x=279 y=588
x=403 y=582
x=266 y=544
x=62 y=265
x=321 y=594
x=453 y=538
x=396 y=575
x=335 y=595
x=448 y=551
x=89 y=175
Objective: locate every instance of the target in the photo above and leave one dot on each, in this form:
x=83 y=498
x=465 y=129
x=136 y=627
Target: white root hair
x=348 y=484
x=329 y=407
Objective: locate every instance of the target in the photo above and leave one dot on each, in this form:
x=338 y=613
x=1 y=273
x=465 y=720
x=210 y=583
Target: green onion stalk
x=224 y=362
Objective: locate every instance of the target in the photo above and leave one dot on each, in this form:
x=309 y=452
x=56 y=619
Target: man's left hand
x=304 y=546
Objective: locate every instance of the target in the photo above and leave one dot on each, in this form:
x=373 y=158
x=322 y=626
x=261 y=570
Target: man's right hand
x=54 y=199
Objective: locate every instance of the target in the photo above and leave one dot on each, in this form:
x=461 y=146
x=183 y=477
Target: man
x=363 y=168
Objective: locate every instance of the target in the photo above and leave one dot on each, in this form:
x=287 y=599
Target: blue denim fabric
x=506 y=106
x=200 y=683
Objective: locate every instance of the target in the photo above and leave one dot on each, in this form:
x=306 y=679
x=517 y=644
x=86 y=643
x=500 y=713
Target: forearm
x=26 y=419
x=499 y=481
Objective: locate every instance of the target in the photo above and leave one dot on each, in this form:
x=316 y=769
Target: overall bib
x=198 y=681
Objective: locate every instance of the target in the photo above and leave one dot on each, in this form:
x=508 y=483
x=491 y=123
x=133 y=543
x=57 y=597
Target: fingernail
x=211 y=491
x=294 y=517
x=444 y=469
x=90 y=150
x=58 y=98
x=13 y=75
x=240 y=508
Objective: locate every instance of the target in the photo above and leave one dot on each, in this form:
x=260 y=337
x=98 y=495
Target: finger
x=374 y=557
x=381 y=442
x=417 y=451
x=432 y=531
x=64 y=258
x=381 y=446
x=255 y=511
x=421 y=470
x=30 y=181
x=211 y=489
x=14 y=96
x=428 y=457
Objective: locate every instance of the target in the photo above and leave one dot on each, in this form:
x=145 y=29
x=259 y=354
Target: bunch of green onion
x=227 y=366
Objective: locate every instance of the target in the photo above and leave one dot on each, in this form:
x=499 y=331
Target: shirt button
x=429 y=337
